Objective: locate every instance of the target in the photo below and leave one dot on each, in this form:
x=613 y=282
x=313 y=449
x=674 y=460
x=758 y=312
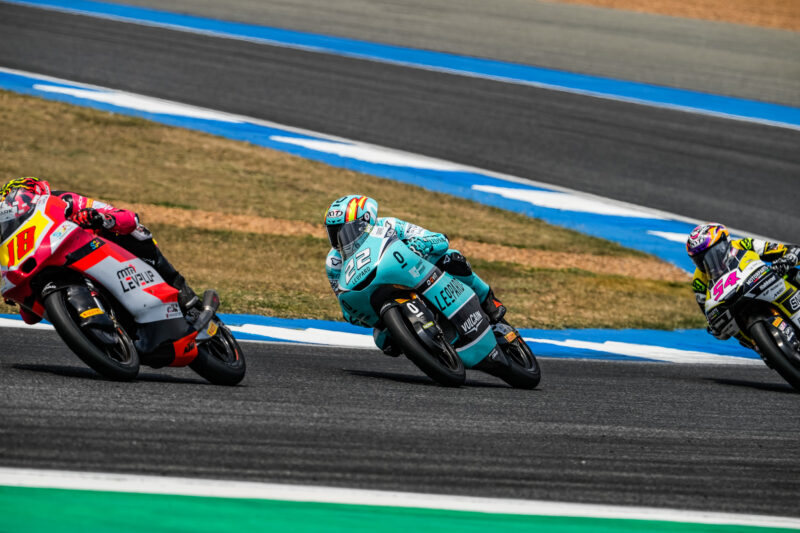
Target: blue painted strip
x=628 y=231
x=686 y=340
x=685 y=100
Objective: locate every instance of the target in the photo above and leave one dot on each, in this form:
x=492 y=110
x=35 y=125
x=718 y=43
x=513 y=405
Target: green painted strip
x=37 y=510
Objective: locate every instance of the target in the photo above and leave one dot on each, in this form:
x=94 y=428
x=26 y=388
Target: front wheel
x=774 y=349
x=443 y=365
x=518 y=366
x=119 y=361
x=523 y=371
x=220 y=359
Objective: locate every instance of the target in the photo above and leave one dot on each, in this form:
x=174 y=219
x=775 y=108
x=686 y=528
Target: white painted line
x=372 y=154
x=141 y=103
x=563 y=86
x=567 y=202
x=670 y=236
x=160 y=106
x=658 y=353
x=309 y=336
x=13 y=323
x=95 y=481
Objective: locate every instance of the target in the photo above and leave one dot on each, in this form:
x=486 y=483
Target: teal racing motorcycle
x=435 y=319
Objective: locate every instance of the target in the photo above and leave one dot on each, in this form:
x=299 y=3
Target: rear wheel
x=119 y=361
x=220 y=359
x=776 y=350
x=443 y=365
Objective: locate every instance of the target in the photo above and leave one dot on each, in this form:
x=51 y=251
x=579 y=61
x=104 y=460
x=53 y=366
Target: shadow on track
x=419 y=380
x=770 y=387
x=88 y=373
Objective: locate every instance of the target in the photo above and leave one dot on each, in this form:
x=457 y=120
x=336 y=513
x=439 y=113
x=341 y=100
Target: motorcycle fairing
x=33 y=242
x=460 y=305
x=754 y=281
x=383 y=260
x=134 y=283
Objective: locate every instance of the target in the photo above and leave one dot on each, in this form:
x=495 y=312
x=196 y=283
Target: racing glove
x=93 y=219
x=426 y=246
x=787 y=262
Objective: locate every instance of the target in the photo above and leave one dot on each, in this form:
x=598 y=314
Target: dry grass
x=644 y=267
x=246 y=220
x=781 y=14
x=126 y=159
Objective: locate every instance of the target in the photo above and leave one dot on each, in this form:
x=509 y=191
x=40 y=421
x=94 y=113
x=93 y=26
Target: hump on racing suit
x=125 y=221
x=435 y=247
x=425 y=243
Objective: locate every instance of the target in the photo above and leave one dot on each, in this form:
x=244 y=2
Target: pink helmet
x=705 y=237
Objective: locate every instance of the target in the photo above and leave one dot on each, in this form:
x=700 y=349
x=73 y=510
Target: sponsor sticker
x=417 y=269
x=92 y=312
x=130 y=279
x=774 y=290
x=793 y=304
x=449 y=294
x=212 y=328
x=472 y=323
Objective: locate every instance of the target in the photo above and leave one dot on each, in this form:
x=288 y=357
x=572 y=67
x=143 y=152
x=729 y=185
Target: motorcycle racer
x=120 y=226
x=710 y=247
x=348 y=222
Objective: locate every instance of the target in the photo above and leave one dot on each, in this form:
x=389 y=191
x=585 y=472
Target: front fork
x=94 y=319
x=420 y=318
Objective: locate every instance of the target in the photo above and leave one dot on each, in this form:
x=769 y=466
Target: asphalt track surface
x=697 y=437
x=741 y=174
x=716 y=57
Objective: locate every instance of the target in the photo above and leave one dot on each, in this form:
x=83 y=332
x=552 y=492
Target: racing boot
x=187 y=298
x=493 y=307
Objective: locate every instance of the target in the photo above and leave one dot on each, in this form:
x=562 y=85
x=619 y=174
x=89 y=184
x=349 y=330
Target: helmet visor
x=15 y=209
x=348 y=237
x=717 y=260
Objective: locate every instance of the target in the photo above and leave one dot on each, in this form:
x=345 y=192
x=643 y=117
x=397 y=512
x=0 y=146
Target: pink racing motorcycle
x=110 y=307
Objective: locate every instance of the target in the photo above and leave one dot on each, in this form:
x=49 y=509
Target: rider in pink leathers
x=120 y=226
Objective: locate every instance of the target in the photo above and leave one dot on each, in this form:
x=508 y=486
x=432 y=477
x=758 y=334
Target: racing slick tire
x=523 y=371
x=220 y=359
x=119 y=362
x=772 y=347
x=445 y=368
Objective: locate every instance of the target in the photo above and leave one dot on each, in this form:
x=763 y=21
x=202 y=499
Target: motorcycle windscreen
x=719 y=259
x=351 y=235
x=16 y=208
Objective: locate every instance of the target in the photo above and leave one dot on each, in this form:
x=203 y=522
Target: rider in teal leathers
x=348 y=222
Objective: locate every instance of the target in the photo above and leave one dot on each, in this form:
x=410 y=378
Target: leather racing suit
x=122 y=227
x=434 y=247
x=767 y=251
